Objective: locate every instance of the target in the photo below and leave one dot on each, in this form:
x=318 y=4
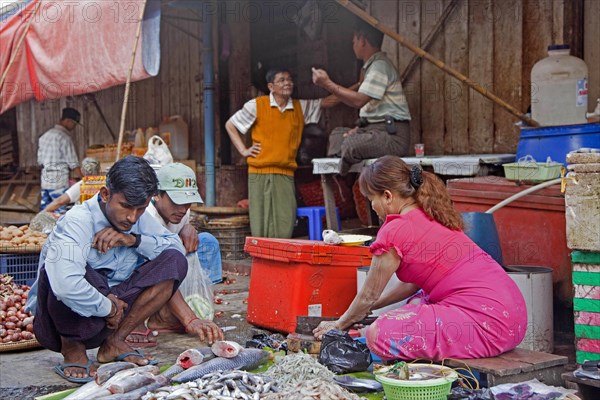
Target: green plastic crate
x=527 y=169
x=585 y=257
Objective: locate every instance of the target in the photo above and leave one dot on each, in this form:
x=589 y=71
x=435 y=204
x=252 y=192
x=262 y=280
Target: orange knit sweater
x=279 y=134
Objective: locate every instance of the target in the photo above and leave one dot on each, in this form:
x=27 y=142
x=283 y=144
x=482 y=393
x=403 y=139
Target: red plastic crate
x=292 y=277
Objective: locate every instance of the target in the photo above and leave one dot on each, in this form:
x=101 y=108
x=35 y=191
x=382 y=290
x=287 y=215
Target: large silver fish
x=192 y=357
x=247 y=359
x=90 y=390
x=106 y=371
x=136 y=394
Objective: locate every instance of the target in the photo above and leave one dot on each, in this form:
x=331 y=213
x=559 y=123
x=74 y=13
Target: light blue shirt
x=68 y=250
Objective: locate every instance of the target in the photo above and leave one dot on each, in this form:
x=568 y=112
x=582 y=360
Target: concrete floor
x=27 y=374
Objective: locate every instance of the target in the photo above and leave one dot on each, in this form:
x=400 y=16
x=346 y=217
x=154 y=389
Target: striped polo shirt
x=382 y=85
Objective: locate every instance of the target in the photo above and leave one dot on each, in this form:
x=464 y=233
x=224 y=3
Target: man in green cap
x=177 y=191
x=57 y=156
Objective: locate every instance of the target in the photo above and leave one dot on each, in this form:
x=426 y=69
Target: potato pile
x=15 y=324
x=22 y=236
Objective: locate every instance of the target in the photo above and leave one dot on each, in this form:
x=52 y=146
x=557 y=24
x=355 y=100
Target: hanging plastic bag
x=342 y=354
x=158 y=153
x=197 y=290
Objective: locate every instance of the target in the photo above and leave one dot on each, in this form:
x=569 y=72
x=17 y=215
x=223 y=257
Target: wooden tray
x=20 y=249
x=22 y=345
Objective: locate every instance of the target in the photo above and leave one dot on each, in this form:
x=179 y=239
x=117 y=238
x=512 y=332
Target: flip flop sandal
x=60 y=370
x=147 y=333
x=137 y=353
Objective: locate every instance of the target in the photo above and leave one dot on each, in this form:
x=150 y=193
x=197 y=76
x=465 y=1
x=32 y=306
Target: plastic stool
x=315 y=220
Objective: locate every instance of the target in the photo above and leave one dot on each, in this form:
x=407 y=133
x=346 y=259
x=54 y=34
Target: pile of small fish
x=298 y=367
x=120 y=380
x=313 y=389
x=218 y=385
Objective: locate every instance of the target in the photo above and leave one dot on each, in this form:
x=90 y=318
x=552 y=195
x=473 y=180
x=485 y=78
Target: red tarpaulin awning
x=53 y=49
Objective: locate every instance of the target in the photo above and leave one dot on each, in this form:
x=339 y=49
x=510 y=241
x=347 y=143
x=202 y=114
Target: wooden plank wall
x=493 y=42
x=177 y=90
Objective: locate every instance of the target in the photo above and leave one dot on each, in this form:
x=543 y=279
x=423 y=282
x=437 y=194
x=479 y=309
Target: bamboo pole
x=128 y=83
x=440 y=64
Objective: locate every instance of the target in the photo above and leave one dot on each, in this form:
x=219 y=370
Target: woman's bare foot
x=74 y=353
x=164 y=321
x=113 y=348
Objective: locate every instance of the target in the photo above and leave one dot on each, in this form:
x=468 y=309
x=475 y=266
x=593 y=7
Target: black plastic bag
x=342 y=354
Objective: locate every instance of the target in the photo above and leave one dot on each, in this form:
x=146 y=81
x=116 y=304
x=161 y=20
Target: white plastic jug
x=176 y=129
x=559 y=88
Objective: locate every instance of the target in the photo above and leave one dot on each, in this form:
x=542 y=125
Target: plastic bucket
x=535 y=284
x=481 y=228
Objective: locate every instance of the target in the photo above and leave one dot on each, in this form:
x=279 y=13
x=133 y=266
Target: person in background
x=57 y=156
x=89 y=167
x=383 y=125
x=468 y=307
x=105 y=268
x=276 y=122
x=177 y=191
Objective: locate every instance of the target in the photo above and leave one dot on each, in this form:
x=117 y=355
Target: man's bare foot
x=74 y=353
x=142 y=337
x=112 y=349
x=165 y=322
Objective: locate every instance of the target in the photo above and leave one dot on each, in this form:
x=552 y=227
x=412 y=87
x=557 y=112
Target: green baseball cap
x=179 y=181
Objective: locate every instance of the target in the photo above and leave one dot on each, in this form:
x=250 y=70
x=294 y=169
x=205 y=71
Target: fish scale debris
x=234 y=384
x=296 y=368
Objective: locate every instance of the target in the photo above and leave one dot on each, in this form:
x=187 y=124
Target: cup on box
x=419 y=150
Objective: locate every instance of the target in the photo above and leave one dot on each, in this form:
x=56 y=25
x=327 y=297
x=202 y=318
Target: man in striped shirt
x=383 y=127
x=57 y=156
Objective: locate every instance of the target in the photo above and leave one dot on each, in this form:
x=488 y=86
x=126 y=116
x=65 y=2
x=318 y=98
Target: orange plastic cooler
x=300 y=277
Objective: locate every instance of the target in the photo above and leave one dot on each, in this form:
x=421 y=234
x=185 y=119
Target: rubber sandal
x=146 y=334
x=60 y=370
x=137 y=353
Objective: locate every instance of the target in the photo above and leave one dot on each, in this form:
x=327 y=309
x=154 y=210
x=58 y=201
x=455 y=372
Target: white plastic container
x=535 y=284
x=559 y=88
x=360 y=281
x=174 y=130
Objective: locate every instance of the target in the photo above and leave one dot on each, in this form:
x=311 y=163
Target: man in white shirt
x=106 y=267
x=57 y=155
x=89 y=167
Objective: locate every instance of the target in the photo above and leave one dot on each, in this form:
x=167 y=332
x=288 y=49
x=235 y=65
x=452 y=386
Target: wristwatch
x=138 y=239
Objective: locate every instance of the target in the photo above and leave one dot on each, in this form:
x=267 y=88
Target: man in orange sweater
x=276 y=122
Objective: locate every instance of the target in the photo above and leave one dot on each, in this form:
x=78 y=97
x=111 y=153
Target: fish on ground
x=194 y=356
x=136 y=394
x=106 y=371
x=248 y=359
x=226 y=348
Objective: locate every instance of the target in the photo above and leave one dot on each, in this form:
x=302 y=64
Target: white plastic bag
x=197 y=290
x=158 y=153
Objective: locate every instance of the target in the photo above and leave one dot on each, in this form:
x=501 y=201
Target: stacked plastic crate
x=582 y=200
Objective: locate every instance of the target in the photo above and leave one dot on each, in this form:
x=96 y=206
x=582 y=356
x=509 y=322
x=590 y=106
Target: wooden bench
x=587 y=389
x=515 y=366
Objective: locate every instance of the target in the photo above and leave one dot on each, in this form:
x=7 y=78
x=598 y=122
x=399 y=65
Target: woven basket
x=430 y=389
x=21 y=345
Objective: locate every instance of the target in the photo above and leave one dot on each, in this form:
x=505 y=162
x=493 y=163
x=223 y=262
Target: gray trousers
x=371 y=141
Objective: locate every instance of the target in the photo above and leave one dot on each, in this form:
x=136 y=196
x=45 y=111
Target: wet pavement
x=27 y=374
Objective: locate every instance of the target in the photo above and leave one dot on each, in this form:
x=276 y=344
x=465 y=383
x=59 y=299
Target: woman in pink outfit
x=463 y=303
